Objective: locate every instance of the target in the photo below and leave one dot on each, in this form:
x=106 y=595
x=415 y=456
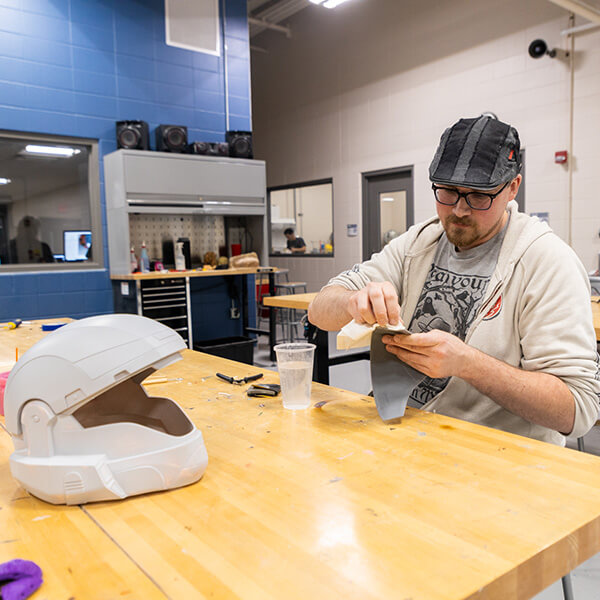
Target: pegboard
x=206 y=233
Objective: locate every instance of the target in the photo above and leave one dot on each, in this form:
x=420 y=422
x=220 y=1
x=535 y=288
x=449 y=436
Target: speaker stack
x=171 y=138
x=240 y=144
x=210 y=148
x=133 y=135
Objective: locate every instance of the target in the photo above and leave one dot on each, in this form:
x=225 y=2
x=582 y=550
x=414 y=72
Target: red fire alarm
x=560 y=157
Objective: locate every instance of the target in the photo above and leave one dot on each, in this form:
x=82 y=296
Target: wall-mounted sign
x=352 y=230
x=542 y=216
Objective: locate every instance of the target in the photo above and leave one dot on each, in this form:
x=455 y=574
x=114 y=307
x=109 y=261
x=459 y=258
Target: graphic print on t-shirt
x=449 y=302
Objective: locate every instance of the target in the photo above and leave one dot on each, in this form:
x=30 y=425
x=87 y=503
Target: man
x=497 y=305
x=296 y=244
x=85 y=247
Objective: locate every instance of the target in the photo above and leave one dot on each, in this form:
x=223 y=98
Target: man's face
x=290 y=236
x=467 y=228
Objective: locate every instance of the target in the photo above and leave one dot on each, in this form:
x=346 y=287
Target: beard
x=466 y=233
x=462 y=233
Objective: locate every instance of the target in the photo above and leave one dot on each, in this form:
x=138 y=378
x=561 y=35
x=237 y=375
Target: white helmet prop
x=83 y=427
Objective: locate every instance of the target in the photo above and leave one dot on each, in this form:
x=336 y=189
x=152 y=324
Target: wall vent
x=193 y=25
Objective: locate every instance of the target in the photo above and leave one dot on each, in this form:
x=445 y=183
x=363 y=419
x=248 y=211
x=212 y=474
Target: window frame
x=97 y=263
x=303 y=184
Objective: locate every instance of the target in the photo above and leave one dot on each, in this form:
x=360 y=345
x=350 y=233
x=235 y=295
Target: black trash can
x=238 y=348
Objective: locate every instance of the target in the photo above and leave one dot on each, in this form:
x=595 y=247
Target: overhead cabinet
x=144 y=182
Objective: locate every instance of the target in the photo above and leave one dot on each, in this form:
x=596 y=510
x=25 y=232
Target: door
x=388 y=207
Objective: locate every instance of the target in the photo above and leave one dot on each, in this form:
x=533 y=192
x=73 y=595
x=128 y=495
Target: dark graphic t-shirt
x=450 y=298
x=297 y=243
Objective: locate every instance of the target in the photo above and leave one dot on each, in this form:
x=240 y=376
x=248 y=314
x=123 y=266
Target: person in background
x=84 y=247
x=497 y=305
x=27 y=247
x=296 y=244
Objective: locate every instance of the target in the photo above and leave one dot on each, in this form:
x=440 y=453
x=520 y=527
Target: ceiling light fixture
x=329 y=3
x=333 y=3
x=4 y=180
x=51 y=151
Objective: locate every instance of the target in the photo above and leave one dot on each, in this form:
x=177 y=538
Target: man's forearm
x=536 y=397
x=328 y=311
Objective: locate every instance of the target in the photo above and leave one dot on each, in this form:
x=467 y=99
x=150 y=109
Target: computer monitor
x=77 y=244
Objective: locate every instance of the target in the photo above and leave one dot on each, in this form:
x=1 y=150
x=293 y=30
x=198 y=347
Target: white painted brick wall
x=374 y=86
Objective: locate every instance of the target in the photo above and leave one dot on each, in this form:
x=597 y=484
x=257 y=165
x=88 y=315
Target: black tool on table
x=262 y=390
x=239 y=380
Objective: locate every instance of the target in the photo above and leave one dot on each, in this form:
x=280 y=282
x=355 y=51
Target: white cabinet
x=138 y=181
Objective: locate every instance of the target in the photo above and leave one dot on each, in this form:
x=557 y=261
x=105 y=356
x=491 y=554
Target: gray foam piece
x=392 y=379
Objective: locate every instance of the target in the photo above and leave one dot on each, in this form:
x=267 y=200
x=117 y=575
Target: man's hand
x=375 y=303
x=536 y=397
x=435 y=353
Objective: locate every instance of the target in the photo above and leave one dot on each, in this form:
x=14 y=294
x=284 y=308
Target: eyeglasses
x=476 y=200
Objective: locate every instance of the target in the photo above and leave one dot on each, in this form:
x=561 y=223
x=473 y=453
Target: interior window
x=302 y=219
x=49 y=203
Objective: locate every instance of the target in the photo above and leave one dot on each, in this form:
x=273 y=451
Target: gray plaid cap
x=481 y=154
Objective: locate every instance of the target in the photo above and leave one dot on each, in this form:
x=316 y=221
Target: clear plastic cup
x=295 y=366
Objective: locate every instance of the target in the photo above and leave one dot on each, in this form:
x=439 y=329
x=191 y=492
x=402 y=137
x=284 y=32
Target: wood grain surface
x=19 y=340
x=78 y=560
x=298 y=301
x=189 y=273
x=327 y=502
x=331 y=502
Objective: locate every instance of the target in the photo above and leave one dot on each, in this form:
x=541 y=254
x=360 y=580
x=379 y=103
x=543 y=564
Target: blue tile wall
x=74 y=67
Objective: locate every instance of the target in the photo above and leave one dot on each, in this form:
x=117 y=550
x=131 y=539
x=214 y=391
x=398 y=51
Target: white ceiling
x=273 y=14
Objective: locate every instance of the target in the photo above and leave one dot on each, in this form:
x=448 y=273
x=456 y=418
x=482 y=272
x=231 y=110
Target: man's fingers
x=379 y=306
x=363 y=312
x=391 y=304
x=413 y=340
x=376 y=303
x=412 y=359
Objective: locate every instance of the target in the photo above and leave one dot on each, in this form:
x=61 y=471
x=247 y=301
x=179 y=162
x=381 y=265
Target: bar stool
x=281 y=273
x=290 y=317
x=262 y=312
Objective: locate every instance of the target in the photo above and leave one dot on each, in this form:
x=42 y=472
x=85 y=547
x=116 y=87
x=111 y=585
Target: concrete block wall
x=74 y=67
x=372 y=85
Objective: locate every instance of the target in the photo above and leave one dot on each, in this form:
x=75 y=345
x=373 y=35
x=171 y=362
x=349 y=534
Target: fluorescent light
x=51 y=150
x=333 y=3
x=329 y=3
x=4 y=180
x=388 y=199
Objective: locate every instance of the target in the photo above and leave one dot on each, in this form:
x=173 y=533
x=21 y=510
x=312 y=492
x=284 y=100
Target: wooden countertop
x=298 y=301
x=192 y=273
x=301 y=302
x=21 y=339
x=329 y=502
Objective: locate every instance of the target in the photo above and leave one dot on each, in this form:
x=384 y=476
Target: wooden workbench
x=329 y=502
x=190 y=273
x=323 y=359
x=296 y=301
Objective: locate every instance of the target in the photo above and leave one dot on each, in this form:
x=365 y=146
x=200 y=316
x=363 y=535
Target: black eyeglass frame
x=466 y=195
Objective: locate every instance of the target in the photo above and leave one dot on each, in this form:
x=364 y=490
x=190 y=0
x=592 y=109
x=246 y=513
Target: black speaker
x=171 y=138
x=210 y=148
x=133 y=135
x=240 y=144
